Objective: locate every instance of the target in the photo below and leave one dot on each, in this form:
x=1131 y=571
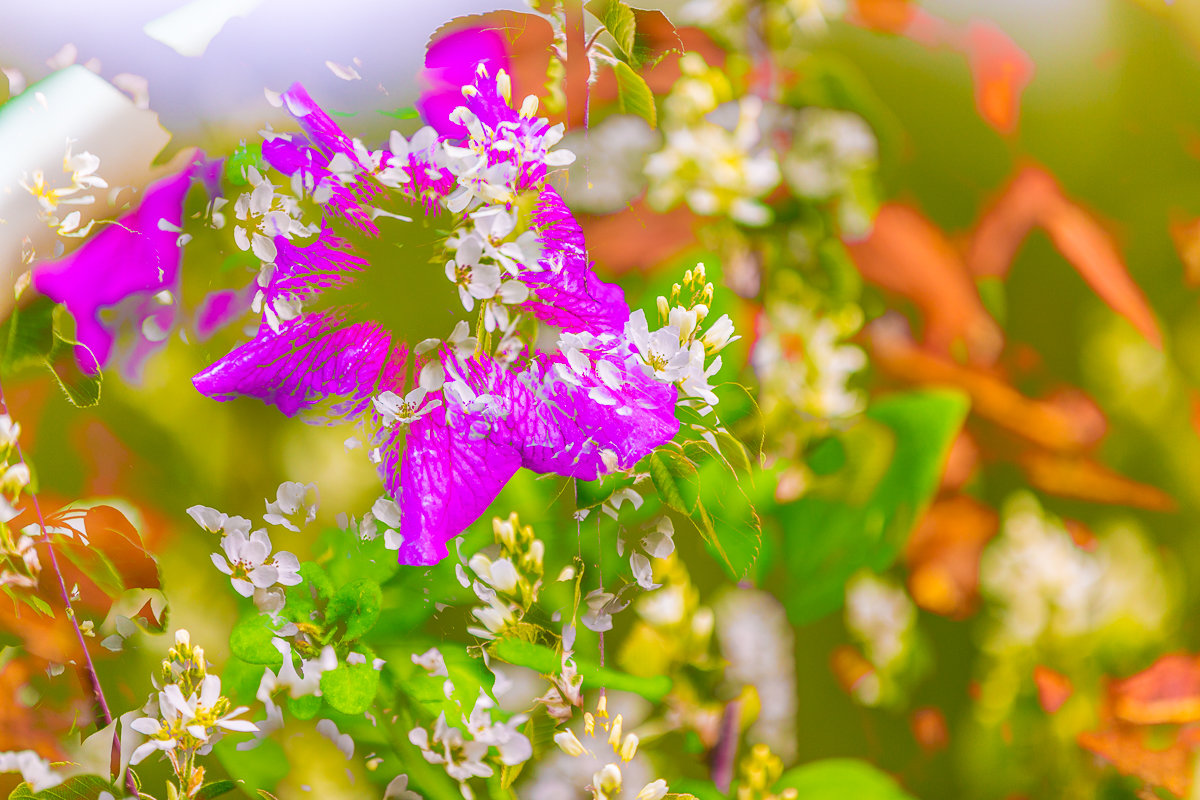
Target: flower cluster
x=678 y=352
x=602 y=736
x=758 y=772
x=509 y=577
x=882 y=617
x=19 y=562
x=81 y=167
x=188 y=715
x=477 y=752
x=717 y=170
x=547 y=379
x=246 y=555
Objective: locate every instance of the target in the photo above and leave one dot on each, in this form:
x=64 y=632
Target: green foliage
x=838 y=778
x=699 y=481
x=675 y=478
x=250 y=640
x=79 y=787
x=215 y=789
x=547 y=661
x=350 y=688
x=618 y=19
x=39 y=335
x=263 y=767
x=839 y=528
x=356 y=605
x=643 y=37
x=633 y=94
x=243 y=156
x=426 y=691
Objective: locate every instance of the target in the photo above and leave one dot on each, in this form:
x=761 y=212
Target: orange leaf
x=906 y=254
x=1088 y=247
x=929 y=729
x=1169 y=768
x=1038 y=421
x=1053 y=688
x=1186 y=236
x=892 y=16
x=1166 y=692
x=1008 y=220
x=1000 y=71
x=942 y=555
x=1082 y=478
x=638 y=237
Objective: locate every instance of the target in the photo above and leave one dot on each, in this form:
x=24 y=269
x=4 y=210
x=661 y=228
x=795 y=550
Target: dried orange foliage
x=1053 y=688
x=1167 y=693
x=1126 y=749
x=1000 y=69
x=850 y=667
x=1186 y=236
x=1033 y=199
x=942 y=555
x=1082 y=478
x=1042 y=422
x=528 y=38
x=105 y=562
x=929 y=729
x=909 y=256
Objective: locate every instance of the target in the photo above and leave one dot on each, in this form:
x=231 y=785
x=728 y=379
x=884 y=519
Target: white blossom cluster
x=679 y=352
x=601 y=758
x=805 y=362
x=1043 y=588
x=508 y=577
x=188 y=715
x=81 y=169
x=19 y=562
x=882 y=617
x=246 y=556
x=473 y=750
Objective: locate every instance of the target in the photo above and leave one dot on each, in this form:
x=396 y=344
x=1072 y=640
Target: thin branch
x=578 y=65
x=92 y=680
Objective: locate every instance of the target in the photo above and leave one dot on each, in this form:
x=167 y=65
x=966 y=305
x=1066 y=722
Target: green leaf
x=39 y=335
x=724 y=514
x=618 y=19
x=675 y=478
x=547 y=661
x=346 y=556
x=79 y=787
x=356 y=604
x=350 y=688
x=264 y=766
x=245 y=155
x=590 y=494
x=305 y=707
x=852 y=519
x=29 y=336
x=839 y=778
x=309 y=596
x=250 y=640
x=215 y=789
x=642 y=36
x=408 y=112
x=733 y=451
x=634 y=95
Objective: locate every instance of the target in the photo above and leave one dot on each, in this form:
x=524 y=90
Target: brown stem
x=89 y=678
x=578 y=65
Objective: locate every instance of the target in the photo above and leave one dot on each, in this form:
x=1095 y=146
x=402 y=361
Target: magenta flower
x=452 y=420
x=125 y=266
